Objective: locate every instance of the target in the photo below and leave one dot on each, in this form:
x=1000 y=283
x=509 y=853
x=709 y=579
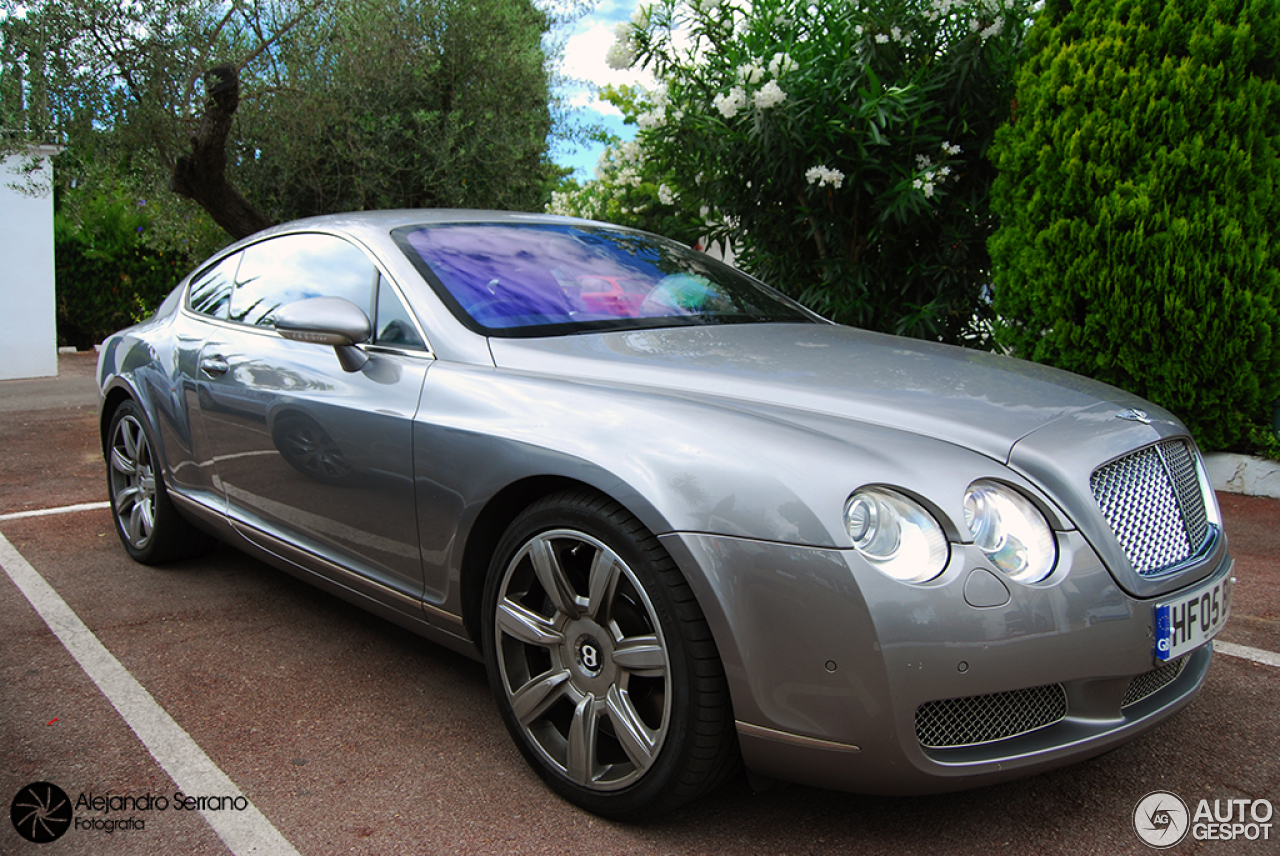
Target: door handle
x=214 y=366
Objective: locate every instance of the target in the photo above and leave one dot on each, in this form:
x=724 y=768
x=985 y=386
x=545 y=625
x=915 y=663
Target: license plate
x=1190 y=620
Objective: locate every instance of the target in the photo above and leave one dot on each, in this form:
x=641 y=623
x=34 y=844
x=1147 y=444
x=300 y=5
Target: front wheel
x=602 y=663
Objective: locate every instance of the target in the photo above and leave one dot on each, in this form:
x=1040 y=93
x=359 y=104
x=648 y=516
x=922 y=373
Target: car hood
x=974 y=399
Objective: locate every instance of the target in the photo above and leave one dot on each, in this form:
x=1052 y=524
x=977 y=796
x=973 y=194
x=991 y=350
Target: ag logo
x=41 y=812
x=1161 y=819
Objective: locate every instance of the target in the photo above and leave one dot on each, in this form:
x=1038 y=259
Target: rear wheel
x=150 y=528
x=601 y=661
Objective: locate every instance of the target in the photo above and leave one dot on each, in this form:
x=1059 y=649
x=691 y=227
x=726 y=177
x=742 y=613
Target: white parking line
x=66 y=509
x=1257 y=655
x=243 y=832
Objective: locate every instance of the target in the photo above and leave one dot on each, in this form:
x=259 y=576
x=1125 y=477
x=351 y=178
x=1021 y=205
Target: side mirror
x=327 y=321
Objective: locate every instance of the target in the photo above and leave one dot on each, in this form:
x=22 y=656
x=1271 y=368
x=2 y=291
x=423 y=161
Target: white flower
x=731 y=102
x=782 y=64
x=770 y=95
x=858 y=29
x=621 y=55
x=928 y=189
x=945 y=171
x=649 y=120
x=640 y=17
x=820 y=175
x=750 y=74
x=896 y=33
x=994 y=30
x=882 y=38
x=923 y=162
x=666 y=195
x=950 y=149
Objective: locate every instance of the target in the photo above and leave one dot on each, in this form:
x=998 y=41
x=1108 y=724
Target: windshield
x=553 y=279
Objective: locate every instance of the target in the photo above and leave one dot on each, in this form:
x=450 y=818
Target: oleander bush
x=840 y=147
x=1138 y=179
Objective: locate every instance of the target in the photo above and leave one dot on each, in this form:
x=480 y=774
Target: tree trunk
x=201 y=175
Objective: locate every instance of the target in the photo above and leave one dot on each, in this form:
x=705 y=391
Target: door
x=305 y=452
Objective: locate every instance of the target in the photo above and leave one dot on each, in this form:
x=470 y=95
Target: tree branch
x=201 y=175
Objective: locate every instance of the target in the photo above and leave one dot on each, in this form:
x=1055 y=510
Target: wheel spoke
x=641 y=655
x=139 y=524
x=529 y=627
x=605 y=573
x=127 y=499
x=121 y=463
x=583 y=730
x=534 y=698
x=546 y=564
x=636 y=738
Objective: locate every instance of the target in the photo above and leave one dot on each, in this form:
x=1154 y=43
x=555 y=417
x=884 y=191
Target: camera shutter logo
x=41 y=812
x=1161 y=819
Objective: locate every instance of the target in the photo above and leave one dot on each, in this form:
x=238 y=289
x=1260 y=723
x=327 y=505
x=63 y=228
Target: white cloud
x=584 y=54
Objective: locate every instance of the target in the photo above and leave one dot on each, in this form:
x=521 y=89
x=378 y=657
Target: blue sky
x=588 y=41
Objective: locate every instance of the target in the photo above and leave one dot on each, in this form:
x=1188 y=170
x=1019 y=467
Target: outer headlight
x=896 y=534
x=1010 y=531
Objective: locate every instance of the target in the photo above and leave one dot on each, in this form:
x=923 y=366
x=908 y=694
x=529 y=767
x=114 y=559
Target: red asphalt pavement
x=353 y=736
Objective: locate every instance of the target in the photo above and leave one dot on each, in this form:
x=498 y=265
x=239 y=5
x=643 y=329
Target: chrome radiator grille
x=1154 y=503
x=987 y=718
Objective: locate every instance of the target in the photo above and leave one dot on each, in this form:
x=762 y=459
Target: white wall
x=28 y=325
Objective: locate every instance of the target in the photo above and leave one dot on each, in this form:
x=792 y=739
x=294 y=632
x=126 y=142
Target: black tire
x=149 y=526
x=602 y=664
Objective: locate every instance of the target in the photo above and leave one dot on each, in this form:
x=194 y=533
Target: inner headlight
x=1010 y=531
x=896 y=534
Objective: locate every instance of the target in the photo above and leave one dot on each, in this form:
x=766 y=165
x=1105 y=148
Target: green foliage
x=417 y=103
x=107 y=276
x=1137 y=187
x=840 y=147
x=345 y=104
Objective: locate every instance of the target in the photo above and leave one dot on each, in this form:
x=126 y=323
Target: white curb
x=1242 y=474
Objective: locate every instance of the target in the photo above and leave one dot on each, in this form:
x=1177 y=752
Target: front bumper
x=840 y=676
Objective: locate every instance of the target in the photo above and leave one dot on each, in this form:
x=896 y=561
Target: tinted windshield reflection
x=551 y=279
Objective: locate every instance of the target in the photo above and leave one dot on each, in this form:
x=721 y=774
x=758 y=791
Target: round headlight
x=896 y=534
x=1010 y=531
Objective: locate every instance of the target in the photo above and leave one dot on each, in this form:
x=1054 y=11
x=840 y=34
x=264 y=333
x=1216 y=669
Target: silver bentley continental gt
x=684 y=522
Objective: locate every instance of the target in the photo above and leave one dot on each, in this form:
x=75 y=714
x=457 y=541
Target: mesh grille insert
x=987 y=718
x=1153 y=501
x=1150 y=683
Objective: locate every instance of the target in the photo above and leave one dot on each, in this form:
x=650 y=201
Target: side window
x=294 y=267
x=211 y=291
x=393 y=327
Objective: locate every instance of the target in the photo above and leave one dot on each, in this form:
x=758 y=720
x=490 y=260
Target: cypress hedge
x=1138 y=195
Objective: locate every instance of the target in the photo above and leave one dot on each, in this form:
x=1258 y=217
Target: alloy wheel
x=582 y=659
